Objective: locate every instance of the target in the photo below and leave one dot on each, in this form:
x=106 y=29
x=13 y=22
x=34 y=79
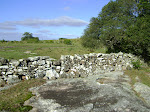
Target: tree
x=91 y=34
x=143 y=7
x=122 y=25
x=27 y=36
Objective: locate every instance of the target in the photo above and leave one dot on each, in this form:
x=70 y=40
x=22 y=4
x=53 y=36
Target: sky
x=47 y=19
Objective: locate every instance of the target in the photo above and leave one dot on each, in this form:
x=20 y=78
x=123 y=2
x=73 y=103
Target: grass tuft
x=142 y=75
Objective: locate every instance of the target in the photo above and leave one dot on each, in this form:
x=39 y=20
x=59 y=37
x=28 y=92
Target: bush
x=33 y=40
x=67 y=41
x=3 y=41
x=136 y=64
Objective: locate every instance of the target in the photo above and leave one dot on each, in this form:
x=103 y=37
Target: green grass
x=12 y=99
x=142 y=74
x=16 y=50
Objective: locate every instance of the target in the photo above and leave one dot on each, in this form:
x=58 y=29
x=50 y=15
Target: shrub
x=136 y=64
x=33 y=40
x=67 y=41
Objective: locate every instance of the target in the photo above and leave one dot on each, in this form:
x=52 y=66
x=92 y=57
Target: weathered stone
x=12 y=79
x=41 y=62
x=33 y=58
x=51 y=74
x=57 y=63
x=44 y=57
x=10 y=73
x=143 y=90
x=14 y=63
x=4 y=67
x=3 y=61
x=88 y=95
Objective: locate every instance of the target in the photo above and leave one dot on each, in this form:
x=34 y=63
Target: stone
x=25 y=68
x=12 y=79
x=58 y=68
x=21 y=60
x=4 y=67
x=40 y=74
x=143 y=90
x=51 y=74
x=57 y=63
x=9 y=73
x=44 y=57
x=3 y=61
x=86 y=95
x=41 y=62
x=14 y=63
x=33 y=58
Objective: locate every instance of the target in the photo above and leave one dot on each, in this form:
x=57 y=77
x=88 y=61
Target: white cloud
x=36 y=23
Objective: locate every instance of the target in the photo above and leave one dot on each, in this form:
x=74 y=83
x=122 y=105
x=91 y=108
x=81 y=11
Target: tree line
x=122 y=25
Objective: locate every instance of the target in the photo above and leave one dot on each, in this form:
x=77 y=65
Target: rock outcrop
x=108 y=92
x=66 y=67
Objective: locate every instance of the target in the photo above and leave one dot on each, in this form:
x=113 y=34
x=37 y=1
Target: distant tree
x=67 y=41
x=27 y=36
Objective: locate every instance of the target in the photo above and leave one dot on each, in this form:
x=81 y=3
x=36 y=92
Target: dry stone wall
x=66 y=67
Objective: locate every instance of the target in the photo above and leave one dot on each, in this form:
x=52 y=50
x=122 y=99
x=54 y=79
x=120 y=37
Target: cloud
x=7 y=26
x=66 y=8
x=10 y=36
x=36 y=23
x=43 y=31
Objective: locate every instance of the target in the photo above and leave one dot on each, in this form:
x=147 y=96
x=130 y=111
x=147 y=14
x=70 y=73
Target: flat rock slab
x=114 y=94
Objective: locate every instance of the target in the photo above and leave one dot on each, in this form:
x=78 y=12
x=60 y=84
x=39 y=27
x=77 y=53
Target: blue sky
x=47 y=19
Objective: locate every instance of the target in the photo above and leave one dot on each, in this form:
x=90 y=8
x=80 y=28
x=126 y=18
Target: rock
x=4 y=67
x=57 y=63
x=3 y=61
x=143 y=90
x=41 y=62
x=10 y=73
x=12 y=79
x=87 y=95
x=14 y=63
x=51 y=74
x=40 y=74
x=58 y=68
x=33 y=58
x=44 y=57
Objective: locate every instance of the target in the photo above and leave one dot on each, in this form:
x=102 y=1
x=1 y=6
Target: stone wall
x=66 y=67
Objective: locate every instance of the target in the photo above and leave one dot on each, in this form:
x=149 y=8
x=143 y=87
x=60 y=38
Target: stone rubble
x=66 y=67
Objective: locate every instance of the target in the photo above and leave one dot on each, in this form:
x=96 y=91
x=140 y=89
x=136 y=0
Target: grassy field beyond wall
x=52 y=48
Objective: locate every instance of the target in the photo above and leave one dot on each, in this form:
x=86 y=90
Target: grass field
x=18 y=50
